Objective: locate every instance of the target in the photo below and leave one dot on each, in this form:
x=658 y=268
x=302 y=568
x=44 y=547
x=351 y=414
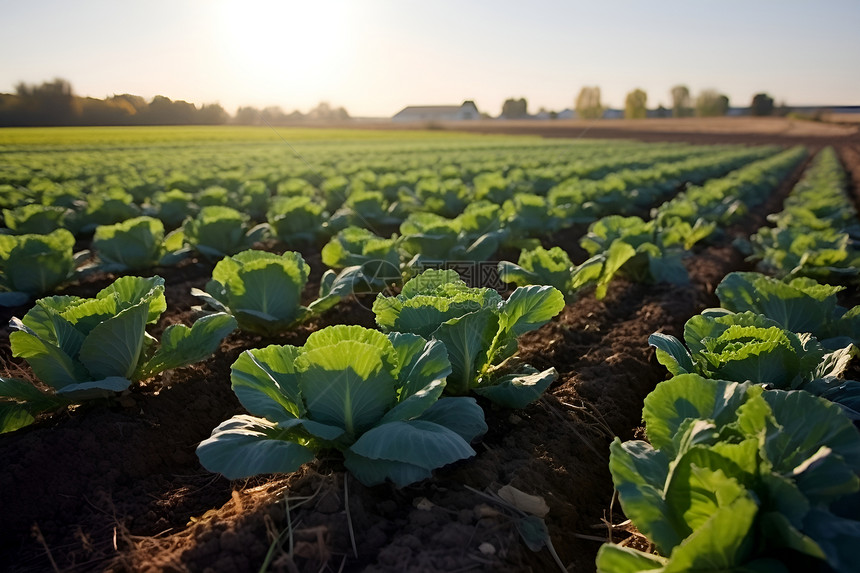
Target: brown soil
x=712 y=130
x=116 y=486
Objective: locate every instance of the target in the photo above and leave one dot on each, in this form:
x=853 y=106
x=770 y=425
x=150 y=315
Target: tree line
x=54 y=103
x=708 y=103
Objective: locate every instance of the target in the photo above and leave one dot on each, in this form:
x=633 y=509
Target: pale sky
x=376 y=56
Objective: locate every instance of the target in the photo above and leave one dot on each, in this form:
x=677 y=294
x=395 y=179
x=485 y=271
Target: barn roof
x=431 y=108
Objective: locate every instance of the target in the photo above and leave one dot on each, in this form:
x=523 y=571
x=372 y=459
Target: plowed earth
x=116 y=485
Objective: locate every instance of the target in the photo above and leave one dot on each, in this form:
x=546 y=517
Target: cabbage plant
x=798 y=251
x=214 y=195
x=367 y=208
x=429 y=238
x=136 y=244
x=173 y=207
x=357 y=246
x=479 y=330
x=104 y=208
x=263 y=291
x=799 y=305
x=540 y=266
x=737 y=479
x=748 y=346
x=253 y=198
x=33 y=265
x=35 y=219
x=297 y=219
x=373 y=397
x=83 y=348
x=379 y=258
x=642 y=250
x=444 y=197
x=219 y=231
x=530 y=215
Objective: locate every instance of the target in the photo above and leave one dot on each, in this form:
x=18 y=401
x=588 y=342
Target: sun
x=284 y=45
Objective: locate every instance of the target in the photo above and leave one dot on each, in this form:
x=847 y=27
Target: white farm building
x=467 y=110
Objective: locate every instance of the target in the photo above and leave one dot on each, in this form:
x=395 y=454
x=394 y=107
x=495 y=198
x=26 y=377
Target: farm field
x=650 y=229
x=700 y=130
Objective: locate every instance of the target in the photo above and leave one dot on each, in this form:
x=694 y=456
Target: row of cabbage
x=369 y=199
x=817 y=232
x=426 y=237
x=753 y=455
x=653 y=250
x=63 y=177
x=59 y=176
x=394 y=401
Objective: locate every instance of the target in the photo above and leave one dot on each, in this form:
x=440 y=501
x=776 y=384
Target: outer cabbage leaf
x=528 y=308
x=244 y=446
x=182 y=345
x=21 y=402
x=518 y=390
x=688 y=396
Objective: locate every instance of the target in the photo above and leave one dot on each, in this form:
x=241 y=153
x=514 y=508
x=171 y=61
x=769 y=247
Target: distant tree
x=681 y=101
x=515 y=108
x=762 y=104
x=10 y=105
x=295 y=116
x=135 y=102
x=51 y=103
x=247 y=116
x=710 y=103
x=212 y=114
x=662 y=111
x=588 y=104
x=325 y=112
x=272 y=115
x=163 y=111
x=107 y=111
x=635 y=105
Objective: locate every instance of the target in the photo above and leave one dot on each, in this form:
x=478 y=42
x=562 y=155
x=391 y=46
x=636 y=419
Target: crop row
x=816 y=234
x=145 y=171
x=752 y=458
x=653 y=250
x=331 y=203
x=124 y=242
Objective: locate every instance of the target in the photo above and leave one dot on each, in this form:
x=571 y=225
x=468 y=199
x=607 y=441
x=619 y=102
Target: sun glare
x=291 y=47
